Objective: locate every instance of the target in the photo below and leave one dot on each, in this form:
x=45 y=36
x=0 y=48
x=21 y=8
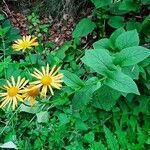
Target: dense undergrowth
x=93 y=95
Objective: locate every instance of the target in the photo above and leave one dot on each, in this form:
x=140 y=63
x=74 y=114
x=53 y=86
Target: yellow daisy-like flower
x=47 y=79
x=13 y=92
x=30 y=93
x=25 y=43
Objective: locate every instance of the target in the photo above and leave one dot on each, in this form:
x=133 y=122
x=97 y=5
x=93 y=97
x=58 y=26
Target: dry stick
x=5 y=13
x=7 y=7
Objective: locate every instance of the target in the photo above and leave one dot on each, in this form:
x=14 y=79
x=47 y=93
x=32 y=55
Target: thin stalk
x=4 y=53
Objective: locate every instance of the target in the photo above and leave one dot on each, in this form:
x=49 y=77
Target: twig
x=5 y=13
x=7 y=8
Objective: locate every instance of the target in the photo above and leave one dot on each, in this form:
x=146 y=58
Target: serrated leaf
x=98 y=59
x=131 y=56
x=111 y=139
x=80 y=125
x=72 y=80
x=127 y=39
x=83 y=28
x=121 y=82
x=84 y=95
x=63 y=118
x=97 y=146
x=105 y=98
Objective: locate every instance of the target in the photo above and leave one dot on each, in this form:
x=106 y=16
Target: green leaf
x=105 y=98
x=115 y=34
x=131 y=25
x=4 y=30
x=116 y=21
x=89 y=137
x=103 y=43
x=146 y=25
x=121 y=82
x=111 y=139
x=42 y=117
x=84 y=95
x=127 y=39
x=101 y=3
x=1 y=17
x=63 y=118
x=128 y=5
x=98 y=59
x=83 y=28
x=80 y=125
x=32 y=58
x=72 y=80
x=132 y=71
x=131 y=56
x=97 y=146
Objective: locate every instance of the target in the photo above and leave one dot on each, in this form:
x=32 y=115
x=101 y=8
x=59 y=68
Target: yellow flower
x=25 y=43
x=47 y=79
x=13 y=91
x=30 y=94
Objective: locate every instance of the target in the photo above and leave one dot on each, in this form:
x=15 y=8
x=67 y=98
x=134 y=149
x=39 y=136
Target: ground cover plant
x=90 y=93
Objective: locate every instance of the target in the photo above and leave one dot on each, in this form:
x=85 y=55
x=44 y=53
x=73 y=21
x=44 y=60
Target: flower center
x=33 y=92
x=25 y=44
x=46 y=80
x=12 y=91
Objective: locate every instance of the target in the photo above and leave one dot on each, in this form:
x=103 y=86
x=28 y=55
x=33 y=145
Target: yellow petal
x=51 y=90
x=51 y=72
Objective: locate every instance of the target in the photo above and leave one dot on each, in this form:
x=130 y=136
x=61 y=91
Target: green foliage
x=111 y=140
x=116 y=21
x=105 y=98
x=38 y=28
x=102 y=3
x=127 y=39
x=83 y=28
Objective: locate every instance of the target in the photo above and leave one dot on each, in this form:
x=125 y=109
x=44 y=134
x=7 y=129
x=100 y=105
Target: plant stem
x=4 y=49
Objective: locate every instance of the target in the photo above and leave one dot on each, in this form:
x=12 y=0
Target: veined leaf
x=121 y=82
x=98 y=59
x=127 y=39
x=72 y=80
x=84 y=95
x=111 y=139
x=103 y=43
x=105 y=98
x=131 y=55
